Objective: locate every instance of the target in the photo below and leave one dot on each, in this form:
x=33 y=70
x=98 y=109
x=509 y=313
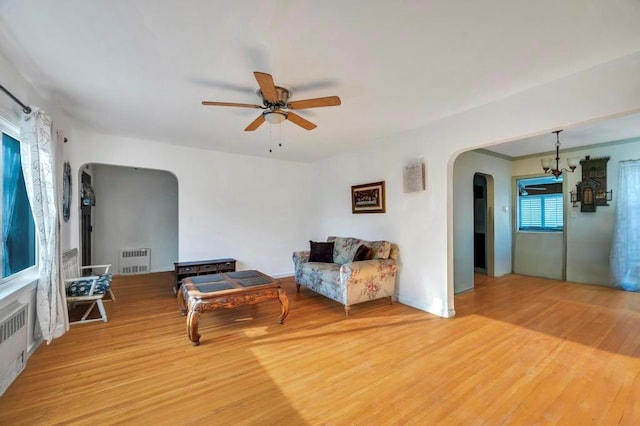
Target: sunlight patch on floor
x=256 y=332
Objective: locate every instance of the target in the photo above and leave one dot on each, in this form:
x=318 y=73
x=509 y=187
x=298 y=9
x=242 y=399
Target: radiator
x=134 y=261
x=13 y=343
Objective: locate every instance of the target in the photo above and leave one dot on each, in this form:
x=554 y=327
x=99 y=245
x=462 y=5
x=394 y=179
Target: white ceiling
x=612 y=130
x=140 y=68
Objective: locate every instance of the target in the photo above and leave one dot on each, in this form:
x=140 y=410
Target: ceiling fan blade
x=296 y=119
x=231 y=104
x=315 y=103
x=255 y=123
x=267 y=86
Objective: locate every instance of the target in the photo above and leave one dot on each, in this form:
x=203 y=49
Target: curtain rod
x=26 y=109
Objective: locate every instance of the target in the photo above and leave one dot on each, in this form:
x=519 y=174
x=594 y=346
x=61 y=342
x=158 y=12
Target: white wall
x=588 y=235
x=252 y=209
x=539 y=254
x=413 y=220
x=466 y=166
x=422 y=223
x=135 y=208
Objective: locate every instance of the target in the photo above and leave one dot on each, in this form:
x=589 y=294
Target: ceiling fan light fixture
x=275 y=117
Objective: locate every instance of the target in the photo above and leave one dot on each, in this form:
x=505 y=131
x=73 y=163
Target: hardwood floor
x=519 y=351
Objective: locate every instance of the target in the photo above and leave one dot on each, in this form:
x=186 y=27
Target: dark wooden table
x=201 y=267
x=226 y=290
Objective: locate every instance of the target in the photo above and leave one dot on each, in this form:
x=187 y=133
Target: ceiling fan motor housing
x=283 y=98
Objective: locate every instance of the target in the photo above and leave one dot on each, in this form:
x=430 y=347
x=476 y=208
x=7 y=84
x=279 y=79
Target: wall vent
x=134 y=261
x=13 y=344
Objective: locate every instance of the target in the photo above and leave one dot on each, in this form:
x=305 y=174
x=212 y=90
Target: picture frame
x=368 y=198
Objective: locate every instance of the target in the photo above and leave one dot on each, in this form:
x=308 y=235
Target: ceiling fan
x=275 y=101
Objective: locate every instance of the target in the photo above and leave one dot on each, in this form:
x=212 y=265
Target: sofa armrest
x=369 y=279
x=301 y=256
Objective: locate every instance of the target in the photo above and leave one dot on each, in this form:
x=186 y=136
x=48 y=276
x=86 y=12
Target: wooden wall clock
x=592 y=191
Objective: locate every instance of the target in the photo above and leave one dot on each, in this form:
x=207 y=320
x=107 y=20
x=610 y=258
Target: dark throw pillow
x=321 y=252
x=363 y=253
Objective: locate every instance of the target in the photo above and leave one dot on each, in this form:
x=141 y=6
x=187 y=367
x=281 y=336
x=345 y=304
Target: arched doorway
x=479 y=223
x=134 y=208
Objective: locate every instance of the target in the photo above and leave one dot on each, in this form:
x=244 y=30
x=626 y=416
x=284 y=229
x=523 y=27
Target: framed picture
x=368 y=198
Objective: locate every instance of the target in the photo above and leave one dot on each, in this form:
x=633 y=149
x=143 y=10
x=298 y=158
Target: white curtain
x=38 y=164
x=625 y=251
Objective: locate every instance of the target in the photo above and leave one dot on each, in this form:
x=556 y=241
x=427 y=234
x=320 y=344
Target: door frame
x=86 y=229
x=490 y=223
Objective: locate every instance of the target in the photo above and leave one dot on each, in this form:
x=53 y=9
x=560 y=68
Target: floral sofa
x=347 y=281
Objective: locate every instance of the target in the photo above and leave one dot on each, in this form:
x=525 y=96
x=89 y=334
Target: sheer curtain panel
x=625 y=250
x=38 y=164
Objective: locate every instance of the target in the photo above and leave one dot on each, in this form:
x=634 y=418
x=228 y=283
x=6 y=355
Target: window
x=18 y=228
x=540 y=205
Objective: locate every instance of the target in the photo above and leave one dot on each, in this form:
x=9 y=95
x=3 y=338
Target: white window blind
x=541 y=212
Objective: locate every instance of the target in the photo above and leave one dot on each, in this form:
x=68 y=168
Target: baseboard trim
x=282 y=275
x=430 y=308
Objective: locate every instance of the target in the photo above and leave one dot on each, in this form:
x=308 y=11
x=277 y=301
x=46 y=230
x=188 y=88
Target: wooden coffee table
x=205 y=293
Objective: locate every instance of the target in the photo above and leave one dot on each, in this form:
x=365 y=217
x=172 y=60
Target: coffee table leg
x=181 y=302
x=284 y=301
x=193 y=319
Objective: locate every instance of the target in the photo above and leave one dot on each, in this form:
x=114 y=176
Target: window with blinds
x=540 y=205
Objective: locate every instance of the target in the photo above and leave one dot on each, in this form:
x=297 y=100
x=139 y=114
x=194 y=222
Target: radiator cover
x=13 y=343
x=134 y=261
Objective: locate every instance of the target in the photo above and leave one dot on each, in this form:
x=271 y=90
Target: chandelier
x=557 y=171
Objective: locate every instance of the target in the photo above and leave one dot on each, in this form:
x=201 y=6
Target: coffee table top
x=213 y=285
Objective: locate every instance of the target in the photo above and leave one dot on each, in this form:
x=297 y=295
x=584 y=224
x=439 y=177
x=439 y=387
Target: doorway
x=134 y=208
x=473 y=205
x=480 y=223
